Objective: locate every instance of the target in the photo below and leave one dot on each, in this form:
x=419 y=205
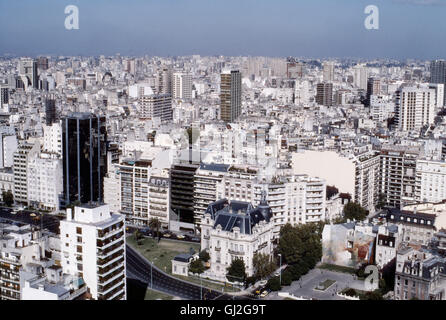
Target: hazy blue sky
x=316 y=28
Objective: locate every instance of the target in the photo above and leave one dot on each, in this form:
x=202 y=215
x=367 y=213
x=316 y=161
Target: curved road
x=139 y=268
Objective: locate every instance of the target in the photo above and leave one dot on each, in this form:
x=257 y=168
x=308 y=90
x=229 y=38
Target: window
x=78 y=230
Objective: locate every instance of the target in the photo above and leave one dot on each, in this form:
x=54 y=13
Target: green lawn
x=162 y=253
x=155 y=295
x=325 y=284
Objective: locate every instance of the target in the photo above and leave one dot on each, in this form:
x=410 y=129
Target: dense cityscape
x=246 y=176
x=198 y=177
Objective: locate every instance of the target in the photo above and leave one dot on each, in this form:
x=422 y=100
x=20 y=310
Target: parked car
x=180 y=237
x=167 y=235
x=264 y=293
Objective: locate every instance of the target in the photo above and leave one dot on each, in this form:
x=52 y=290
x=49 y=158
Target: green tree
x=354 y=211
x=196 y=266
x=236 y=271
x=287 y=278
x=8 y=198
x=263 y=265
x=274 y=284
x=301 y=247
x=204 y=256
x=155 y=224
x=382 y=201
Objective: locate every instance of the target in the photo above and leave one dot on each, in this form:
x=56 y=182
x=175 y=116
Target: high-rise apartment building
x=181 y=86
x=398 y=175
x=156 y=106
x=28 y=72
x=182 y=189
x=415 y=108
x=84 y=139
x=230 y=95
x=93 y=248
x=165 y=81
x=21 y=157
x=373 y=88
x=328 y=71
x=360 y=76
x=141 y=192
x=324 y=94
x=438 y=73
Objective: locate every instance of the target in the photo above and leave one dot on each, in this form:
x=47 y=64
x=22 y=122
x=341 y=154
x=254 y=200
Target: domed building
x=235 y=229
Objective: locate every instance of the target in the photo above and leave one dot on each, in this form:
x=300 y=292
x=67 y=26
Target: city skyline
x=318 y=29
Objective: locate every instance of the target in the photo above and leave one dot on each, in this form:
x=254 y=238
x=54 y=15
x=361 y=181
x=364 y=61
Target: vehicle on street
x=264 y=293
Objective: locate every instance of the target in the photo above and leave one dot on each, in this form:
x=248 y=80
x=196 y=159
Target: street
x=305 y=287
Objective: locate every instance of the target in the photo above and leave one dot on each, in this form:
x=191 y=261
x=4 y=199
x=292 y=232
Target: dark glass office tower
x=84 y=139
x=50 y=111
x=438 y=73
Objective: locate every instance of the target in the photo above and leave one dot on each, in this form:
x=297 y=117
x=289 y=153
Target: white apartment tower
x=93 y=247
x=181 y=86
x=415 y=108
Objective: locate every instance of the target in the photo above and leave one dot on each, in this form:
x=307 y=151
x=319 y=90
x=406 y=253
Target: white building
x=8 y=145
x=52 y=138
x=45 y=180
x=415 y=108
x=235 y=230
x=181 y=86
x=431 y=181
x=382 y=107
x=93 y=247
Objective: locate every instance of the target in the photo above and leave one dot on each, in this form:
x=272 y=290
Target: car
x=180 y=236
x=264 y=293
x=195 y=239
x=32 y=215
x=167 y=235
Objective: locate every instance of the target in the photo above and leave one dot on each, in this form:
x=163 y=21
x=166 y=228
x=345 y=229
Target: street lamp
x=201 y=287
x=280 y=255
x=151 y=276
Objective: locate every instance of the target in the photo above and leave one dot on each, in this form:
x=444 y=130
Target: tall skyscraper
x=181 y=86
x=294 y=69
x=373 y=88
x=230 y=95
x=84 y=139
x=360 y=75
x=324 y=94
x=50 y=111
x=328 y=71
x=42 y=63
x=415 y=107
x=4 y=96
x=165 y=81
x=28 y=72
x=438 y=73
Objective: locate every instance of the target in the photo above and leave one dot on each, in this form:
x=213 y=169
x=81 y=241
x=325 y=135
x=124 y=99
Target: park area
x=161 y=254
